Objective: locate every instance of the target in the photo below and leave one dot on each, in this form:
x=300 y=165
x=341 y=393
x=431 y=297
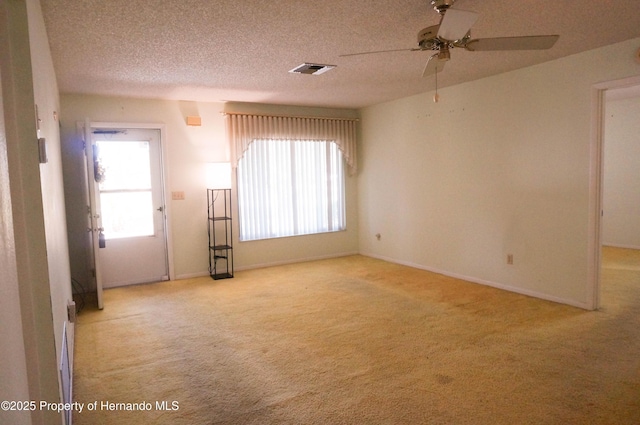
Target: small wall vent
x=311 y=68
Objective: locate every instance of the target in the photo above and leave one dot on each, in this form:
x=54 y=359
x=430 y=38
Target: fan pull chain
x=436 y=97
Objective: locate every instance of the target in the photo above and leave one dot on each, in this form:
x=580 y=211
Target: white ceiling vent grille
x=311 y=68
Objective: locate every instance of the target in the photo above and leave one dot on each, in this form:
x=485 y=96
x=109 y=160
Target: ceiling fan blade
x=534 y=42
x=433 y=65
x=455 y=24
x=378 y=51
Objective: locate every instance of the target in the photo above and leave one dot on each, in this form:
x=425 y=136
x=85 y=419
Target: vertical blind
x=289 y=188
x=290 y=173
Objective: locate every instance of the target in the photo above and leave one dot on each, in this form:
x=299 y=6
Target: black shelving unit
x=220 y=233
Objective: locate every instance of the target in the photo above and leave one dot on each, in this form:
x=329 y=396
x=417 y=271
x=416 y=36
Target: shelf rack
x=220 y=233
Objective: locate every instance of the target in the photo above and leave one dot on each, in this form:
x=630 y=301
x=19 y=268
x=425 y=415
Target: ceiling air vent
x=311 y=68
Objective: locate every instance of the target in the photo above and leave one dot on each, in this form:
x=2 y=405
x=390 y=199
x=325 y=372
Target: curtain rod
x=289 y=116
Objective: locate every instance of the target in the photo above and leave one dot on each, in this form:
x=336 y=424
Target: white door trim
x=165 y=178
x=596 y=175
x=94 y=218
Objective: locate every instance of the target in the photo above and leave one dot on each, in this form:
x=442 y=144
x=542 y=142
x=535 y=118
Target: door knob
x=160 y=209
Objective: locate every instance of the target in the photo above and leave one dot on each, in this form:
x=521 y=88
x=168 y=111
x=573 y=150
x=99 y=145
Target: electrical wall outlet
x=177 y=196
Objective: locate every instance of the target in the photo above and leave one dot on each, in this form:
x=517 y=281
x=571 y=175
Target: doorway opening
x=128 y=209
x=130 y=192
x=608 y=223
x=621 y=193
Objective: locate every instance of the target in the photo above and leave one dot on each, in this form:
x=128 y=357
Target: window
x=290 y=172
x=125 y=190
x=290 y=187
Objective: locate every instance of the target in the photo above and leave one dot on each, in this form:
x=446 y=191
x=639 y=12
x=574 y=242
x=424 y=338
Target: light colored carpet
x=356 y=340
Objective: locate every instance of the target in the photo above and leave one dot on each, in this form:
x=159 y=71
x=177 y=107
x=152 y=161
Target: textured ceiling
x=233 y=50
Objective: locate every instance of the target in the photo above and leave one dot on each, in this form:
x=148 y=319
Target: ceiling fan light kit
x=441 y=5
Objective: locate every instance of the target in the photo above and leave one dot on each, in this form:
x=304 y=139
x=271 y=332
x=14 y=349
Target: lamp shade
x=218 y=175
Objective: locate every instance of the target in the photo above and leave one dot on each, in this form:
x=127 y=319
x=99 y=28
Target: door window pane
x=126 y=165
x=125 y=188
x=127 y=214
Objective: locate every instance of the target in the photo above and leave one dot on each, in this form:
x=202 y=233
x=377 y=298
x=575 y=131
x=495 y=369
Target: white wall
x=500 y=166
x=188 y=150
x=621 y=195
x=39 y=265
x=46 y=97
x=13 y=373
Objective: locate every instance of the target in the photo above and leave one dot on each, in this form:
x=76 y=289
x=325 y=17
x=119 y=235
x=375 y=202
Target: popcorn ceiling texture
x=241 y=51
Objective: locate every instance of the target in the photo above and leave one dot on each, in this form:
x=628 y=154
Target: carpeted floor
x=357 y=340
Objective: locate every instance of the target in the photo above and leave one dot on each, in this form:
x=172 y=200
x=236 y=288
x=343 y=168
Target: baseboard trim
x=510 y=288
x=614 y=245
x=299 y=260
x=191 y=275
x=271 y=264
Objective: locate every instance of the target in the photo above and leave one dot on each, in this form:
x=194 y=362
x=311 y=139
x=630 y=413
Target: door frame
x=596 y=183
x=164 y=179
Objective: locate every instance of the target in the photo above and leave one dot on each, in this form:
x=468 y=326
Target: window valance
x=242 y=129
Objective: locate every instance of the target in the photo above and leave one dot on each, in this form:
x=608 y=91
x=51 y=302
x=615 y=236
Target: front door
x=128 y=175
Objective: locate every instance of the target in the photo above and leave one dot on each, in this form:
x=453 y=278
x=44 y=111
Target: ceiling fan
x=453 y=30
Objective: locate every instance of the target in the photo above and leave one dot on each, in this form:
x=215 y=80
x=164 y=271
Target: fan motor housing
x=428 y=38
